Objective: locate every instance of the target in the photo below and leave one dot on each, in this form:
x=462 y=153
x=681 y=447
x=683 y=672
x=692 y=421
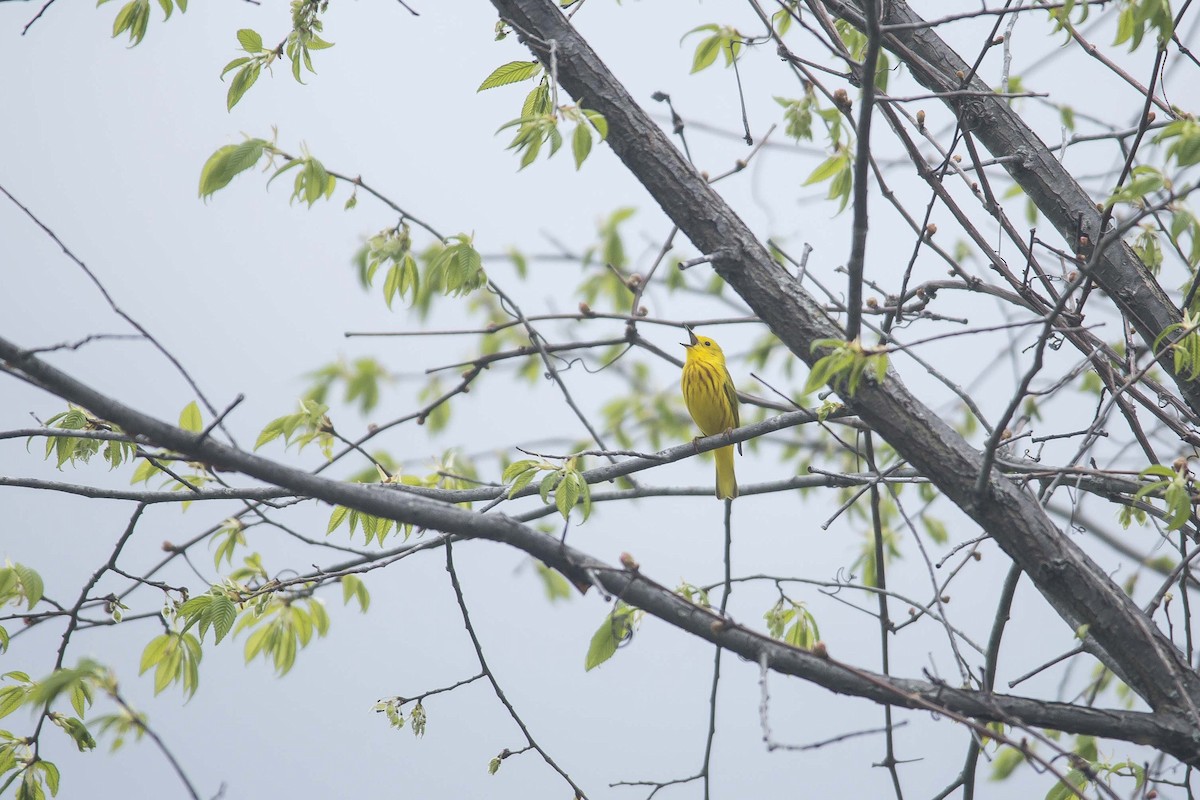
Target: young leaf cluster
x=1137 y=15
x=1183 y=136
x=798 y=115
x=353 y=588
x=304 y=37
x=393 y=709
x=1183 y=221
x=867 y=561
x=844 y=366
x=566 y=483
x=190 y=419
x=781 y=20
x=609 y=249
x=119 y=725
x=187 y=481
x=1087 y=768
x=374 y=528
x=309 y=424
x=1143 y=180
x=1185 y=351
x=175 y=657
x=838 y=169
x=283 y=627
x=792 y=623
x=393 y=247
x=248 y=67
x=856 y=44
x=455 y=267
x=297 y=46
x=230 y=536
x=213 y=610
x=540 y=129
x=694 y=594
x=310 y=184
x=538 y=124
x=721 y=40
x=134 y=17
x=1175 y=487
x=1062 y=16
x=361 y=380
x=450 y=267
x=19 y=584
x=1148 y=249
x=19 y=758
x=656 y=417
x=74 y=449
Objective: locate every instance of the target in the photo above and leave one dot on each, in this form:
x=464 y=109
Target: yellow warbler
x=711 y=399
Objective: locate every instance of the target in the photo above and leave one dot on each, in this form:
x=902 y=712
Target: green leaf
x=1073 y=782
x=1007 y=760
x=567 y=494
x=176 y=659
x=936 y=529
x=250 y=41
x=51 y=774
x=31 y=584
x=616 y=628
x=154 y=652
x=354 y=589
x=826 y=169
x=220 y=614
x=512 y=72
x=78 y=732
x=516 y=468
x=189 y=418
x=127 y=19
x=336 y=518
x=237 y=62
x=557 y=587
x=537 y=101
x=598 y=122
x=241 y=84
x=81 y=697
x=226 y=163
x=581 y=144
x=706 y=53
x=12 y=698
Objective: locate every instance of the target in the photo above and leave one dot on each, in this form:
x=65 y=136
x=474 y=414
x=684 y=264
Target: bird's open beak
x=691 y=337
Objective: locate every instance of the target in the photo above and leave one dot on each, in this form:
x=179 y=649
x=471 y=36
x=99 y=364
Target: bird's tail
x=726 y=482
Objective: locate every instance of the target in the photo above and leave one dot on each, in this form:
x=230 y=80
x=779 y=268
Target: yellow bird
x=711 y=399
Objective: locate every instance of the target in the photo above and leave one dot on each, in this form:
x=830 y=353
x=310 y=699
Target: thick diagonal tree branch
x=1079 y=591
x=993 y=121
x=1164 y=730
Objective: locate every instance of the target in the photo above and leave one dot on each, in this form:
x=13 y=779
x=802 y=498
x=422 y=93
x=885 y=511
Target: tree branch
x=1031 y=164
x=1079 y=591
x=1165 y=729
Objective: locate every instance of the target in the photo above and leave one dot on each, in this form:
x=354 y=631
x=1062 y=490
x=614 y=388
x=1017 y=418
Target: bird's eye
x=708 y=344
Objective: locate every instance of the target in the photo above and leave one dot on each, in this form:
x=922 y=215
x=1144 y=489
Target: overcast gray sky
x=104 y=144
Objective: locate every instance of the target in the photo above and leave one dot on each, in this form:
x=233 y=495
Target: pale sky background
x=105 y=145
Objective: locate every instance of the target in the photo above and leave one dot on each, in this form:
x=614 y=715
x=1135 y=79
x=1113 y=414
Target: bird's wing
x=731 y=398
